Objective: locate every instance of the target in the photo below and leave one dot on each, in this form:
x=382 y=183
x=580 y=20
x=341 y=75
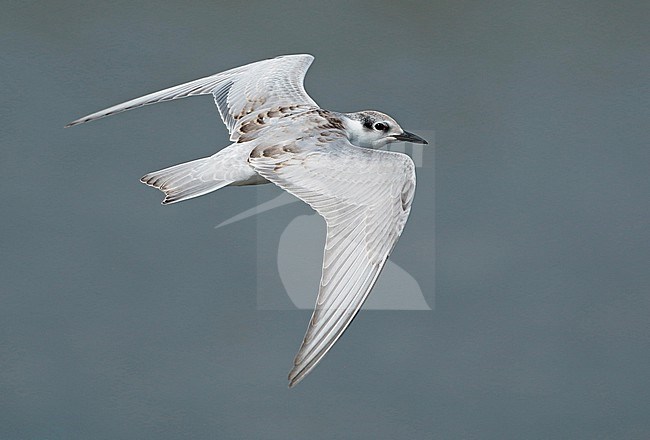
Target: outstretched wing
x=365 y=197
x=237 y=92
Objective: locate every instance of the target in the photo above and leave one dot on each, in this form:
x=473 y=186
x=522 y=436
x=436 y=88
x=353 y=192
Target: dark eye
x=381 y=126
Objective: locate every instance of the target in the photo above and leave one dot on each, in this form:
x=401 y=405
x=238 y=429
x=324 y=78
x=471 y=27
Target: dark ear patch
x=367 y=122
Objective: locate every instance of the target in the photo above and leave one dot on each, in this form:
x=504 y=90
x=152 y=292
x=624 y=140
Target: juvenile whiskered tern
x=327 y=159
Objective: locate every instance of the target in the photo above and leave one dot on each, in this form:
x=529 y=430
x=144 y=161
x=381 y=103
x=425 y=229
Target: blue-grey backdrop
x=120 y=318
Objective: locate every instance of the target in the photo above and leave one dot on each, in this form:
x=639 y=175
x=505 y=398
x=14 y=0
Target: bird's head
x=371 y=129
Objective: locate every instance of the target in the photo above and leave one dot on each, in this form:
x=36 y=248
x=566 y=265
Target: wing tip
x=295 y=377
x=73 y=123
x=83 y=120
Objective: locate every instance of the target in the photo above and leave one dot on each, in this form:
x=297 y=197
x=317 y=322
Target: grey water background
x=123 y=319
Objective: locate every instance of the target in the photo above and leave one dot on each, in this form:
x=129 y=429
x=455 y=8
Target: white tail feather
x=185 y=181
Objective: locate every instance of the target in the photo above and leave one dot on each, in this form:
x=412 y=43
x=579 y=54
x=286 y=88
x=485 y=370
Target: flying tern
x=329 y=160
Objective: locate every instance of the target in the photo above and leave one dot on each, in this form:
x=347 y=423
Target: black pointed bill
x=410 y=137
